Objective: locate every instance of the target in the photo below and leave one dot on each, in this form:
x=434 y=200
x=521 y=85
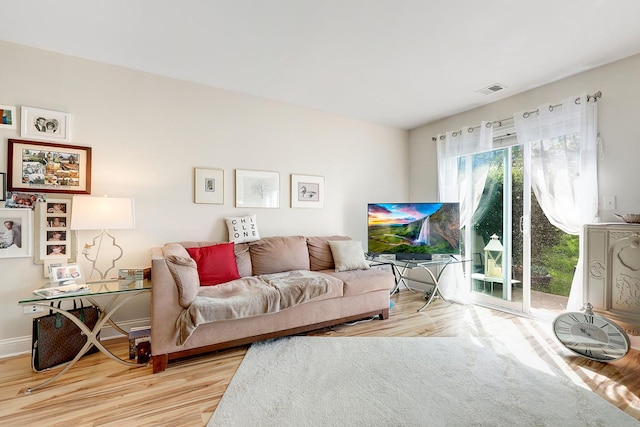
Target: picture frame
x=45 y=124
x=257 y=189
x=65 y=273
x=51 y=263
x=8 y=118
x=48 y=167
x=20 y=200
x=307 y=191
x=208 y=186
x=3 y=186
x=15 y=240
x=54 y=240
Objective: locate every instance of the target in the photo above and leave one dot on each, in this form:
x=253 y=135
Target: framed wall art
x=48 y=167
x=208 y=186
x=15 y=233
x=54 y=240
x=257 y=189
x=307 y=191
x=8 y=117
x=45 y=124
x=3 y=186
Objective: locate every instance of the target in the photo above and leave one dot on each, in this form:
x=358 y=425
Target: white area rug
x=320 y=381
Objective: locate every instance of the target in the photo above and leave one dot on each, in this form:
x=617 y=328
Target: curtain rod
x=526 y=114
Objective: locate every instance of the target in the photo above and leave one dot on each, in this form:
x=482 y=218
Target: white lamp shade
x=102 y=213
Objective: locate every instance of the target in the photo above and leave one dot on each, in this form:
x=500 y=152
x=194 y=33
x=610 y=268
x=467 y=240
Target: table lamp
x=104 y=214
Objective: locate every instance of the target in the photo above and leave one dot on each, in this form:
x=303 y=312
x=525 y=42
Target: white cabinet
x=612 y=272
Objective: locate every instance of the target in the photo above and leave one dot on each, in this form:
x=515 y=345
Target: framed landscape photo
x=15 y=233
x=45 y=124
x=7 y=117
x=208 y=186
x=257 y=189
x=307 y=191
x=48 y=167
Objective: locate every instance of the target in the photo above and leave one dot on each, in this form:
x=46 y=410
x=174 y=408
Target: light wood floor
x=98 y=391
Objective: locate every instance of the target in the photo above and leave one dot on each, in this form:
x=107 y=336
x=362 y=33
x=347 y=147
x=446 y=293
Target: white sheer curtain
x=560 y=157
x=454 y=184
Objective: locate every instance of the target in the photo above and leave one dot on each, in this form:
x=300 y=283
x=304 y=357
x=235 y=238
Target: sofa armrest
x=165 y=303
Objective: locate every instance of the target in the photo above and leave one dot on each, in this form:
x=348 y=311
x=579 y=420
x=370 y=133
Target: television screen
x=413 y=230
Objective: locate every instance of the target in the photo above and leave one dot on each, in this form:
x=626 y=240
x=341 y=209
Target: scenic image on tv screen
x=414 y=228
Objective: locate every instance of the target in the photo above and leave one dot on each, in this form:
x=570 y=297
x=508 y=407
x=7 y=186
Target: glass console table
x=109 y=296
x=400 y=268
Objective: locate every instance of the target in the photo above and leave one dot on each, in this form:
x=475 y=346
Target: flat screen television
x=413 y=230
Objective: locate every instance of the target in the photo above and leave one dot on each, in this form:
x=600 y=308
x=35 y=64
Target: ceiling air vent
x=491 y=89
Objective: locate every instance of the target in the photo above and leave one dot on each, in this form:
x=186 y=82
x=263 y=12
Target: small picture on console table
x=307 y=191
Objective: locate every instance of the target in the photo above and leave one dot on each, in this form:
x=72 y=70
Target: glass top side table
x=109 y=297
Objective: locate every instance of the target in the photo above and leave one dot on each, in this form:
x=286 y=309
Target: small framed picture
x=307 y=191
x=45 y=124
x=257 y=189
x=208 y=186
x=15 y=233
x=3 y=186
x=24 y=200
x=7 y=117
x=51 y=263
x=66 y=273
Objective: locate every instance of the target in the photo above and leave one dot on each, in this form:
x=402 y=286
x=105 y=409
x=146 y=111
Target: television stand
x=400 y=268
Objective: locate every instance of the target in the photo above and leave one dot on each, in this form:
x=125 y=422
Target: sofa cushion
x=320 y=256
x=356 y=282
x=243 y=259
x=242 y=229
x=348 y=255
x=184 y=271
x=216 y=263
x=278 y=254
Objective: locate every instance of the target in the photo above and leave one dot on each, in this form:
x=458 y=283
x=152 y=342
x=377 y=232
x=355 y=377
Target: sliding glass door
x=495 y=235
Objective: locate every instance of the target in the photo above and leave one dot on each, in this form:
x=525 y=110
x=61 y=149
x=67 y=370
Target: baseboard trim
x=22 y=345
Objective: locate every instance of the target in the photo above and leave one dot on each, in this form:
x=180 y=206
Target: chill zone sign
x=244 y=227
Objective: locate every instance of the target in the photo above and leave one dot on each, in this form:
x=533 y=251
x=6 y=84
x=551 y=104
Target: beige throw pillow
x=348 y=255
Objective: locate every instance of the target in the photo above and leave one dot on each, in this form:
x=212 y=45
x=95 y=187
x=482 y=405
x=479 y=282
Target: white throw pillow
x=348 y=255
x=242 y=229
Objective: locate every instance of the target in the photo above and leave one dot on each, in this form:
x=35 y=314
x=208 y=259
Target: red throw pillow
x=216 y=264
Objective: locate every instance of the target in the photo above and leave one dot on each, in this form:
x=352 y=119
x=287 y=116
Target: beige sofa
x=351 y=294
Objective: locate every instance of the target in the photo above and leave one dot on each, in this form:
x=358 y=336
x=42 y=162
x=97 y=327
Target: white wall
x=618 y=114
x=149 y=132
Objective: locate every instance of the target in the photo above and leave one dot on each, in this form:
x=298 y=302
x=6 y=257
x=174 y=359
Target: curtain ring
x=470 y=130
x=577 y=100
x=551 y=108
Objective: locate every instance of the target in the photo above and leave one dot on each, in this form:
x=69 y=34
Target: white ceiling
x=396 y=62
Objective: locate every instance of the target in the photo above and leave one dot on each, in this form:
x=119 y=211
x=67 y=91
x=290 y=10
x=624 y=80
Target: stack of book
x=63 y=291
